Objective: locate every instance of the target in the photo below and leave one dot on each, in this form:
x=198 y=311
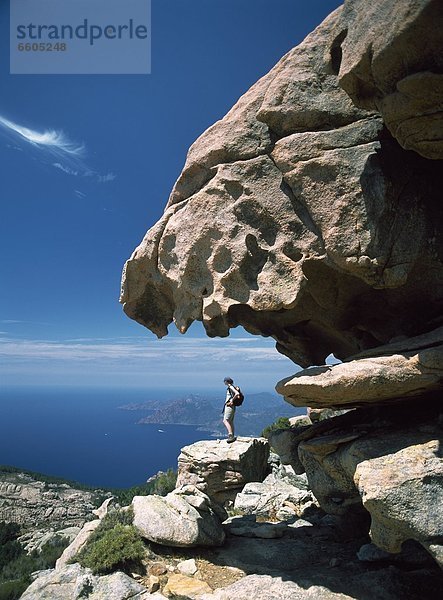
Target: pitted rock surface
x=298 y=215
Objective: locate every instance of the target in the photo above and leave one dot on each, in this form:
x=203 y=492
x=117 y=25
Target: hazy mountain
x=257 y=411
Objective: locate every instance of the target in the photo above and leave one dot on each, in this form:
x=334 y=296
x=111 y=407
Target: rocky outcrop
x=220 y=470
x=182 y=586
x=35 y=540
x=272 y=497
x=388 y=463
x=75 y=582
x=37 y=504
x=311 y=213
x=411 y=367
x=78 y=543
x=314 y=226
x=394 y=66
x=183 y=518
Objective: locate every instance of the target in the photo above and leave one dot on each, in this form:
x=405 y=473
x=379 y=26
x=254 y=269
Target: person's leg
x=228 y=426
x=228 y=421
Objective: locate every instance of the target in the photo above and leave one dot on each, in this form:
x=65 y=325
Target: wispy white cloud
x=107 y=177
x=138 y=349
x=49 y=139
x=10 y=321
x=79 y=194
x=65 y=169
x=55 y=147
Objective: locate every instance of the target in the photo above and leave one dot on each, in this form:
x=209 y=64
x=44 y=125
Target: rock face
x=387 y=462
x=183 y=518
x=311 y=213
x=315 y=226
x=36 y=504
x=395 y=66
x=75 y=582
x=77 y=543
x=270 y=496
x=403 y=369
x=220 y=470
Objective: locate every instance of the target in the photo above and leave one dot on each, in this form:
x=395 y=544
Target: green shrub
x=116 y=548
x=280 y=423
x=164 y=483
x=8 y=532
x=161 y=485
x=16 y=565
x=12 y=590
x=51 y=551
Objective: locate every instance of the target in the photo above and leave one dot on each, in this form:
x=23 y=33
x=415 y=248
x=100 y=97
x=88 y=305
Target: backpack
x=238 y=400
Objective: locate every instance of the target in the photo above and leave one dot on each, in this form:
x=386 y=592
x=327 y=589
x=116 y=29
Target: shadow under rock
x=320 y=555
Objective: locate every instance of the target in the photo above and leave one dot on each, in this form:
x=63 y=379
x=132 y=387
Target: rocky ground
x=276 y=543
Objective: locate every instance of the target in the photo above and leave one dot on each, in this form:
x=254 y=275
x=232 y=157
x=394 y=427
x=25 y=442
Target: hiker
x=229 y=409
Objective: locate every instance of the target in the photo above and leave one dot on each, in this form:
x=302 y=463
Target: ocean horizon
x=82 y=435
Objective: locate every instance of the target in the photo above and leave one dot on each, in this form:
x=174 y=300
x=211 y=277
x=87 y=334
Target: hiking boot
x=231 y=438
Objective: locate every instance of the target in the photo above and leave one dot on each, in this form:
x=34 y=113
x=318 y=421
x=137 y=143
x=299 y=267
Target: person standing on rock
x=229 y=408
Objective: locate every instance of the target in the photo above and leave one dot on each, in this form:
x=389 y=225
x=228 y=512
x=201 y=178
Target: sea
x=83 y=435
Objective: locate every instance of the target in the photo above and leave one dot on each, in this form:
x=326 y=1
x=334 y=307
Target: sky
x=87 y=165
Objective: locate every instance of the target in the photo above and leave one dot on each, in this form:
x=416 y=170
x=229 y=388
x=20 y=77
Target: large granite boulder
x=183 y=518
x=266 y=499
x=298 y=215
x=220 y=470
x=312 y=213
x=74 y=582
x=410 y=367
x=395 y=66
x=78 y=543
x=388 y=463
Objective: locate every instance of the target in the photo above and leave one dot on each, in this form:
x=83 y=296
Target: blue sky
x=87 y=166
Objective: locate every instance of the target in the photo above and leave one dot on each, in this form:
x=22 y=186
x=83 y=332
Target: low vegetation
x=16 y=565
x=280 y=423
x=161 y=485
x=114 y=545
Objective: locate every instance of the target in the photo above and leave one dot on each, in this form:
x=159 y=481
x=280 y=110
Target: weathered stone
x=394 y=372
x=153 y=583
x=266 y=498
x=285 y=219
x=287 y=474
x=104 y=508
x=183 y=518
x=300 y=421
x=265 y=586
x=185 y=588
x=220 y=470
x=78 y=543
x=285 y=444
x=74 y=582
x=35 y=540
x=395 y=473
x=412 y=554
x=187 y=567
x=37 y=504
x=157 y=569
x=320 y=414
x=395 y=66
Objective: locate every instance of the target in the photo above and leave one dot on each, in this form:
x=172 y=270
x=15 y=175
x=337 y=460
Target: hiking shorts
x=228 y=413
